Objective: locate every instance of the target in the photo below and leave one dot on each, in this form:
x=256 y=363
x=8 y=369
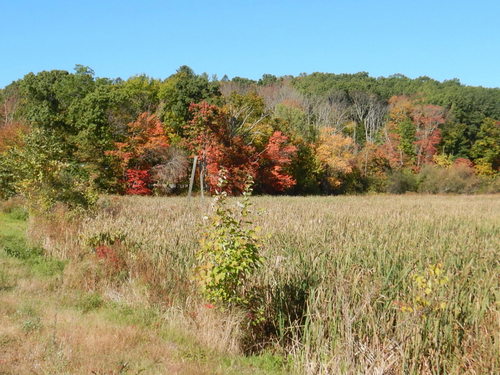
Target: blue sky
x=442 y=39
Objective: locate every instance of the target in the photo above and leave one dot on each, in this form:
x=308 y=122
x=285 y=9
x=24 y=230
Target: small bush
x=110 y=251
x=490 y=184
x=229 y=252
x=402 y=181
x=377 y=183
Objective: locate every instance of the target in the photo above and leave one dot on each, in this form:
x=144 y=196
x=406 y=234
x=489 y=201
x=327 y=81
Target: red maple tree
x=145 y=146
x=277 y=155
x=211 y=137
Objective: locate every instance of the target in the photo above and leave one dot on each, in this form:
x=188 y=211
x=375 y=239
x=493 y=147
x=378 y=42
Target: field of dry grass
x=47 y=328
x=341 y=283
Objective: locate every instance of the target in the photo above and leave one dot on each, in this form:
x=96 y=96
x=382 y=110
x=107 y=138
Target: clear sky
x=442 y=39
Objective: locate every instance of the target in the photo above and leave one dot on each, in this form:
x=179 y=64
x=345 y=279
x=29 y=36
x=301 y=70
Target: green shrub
x=490 y=184
x=7 y=176
x=402 y=181
x=47 y=176
x=377 y=183
x=229 y=252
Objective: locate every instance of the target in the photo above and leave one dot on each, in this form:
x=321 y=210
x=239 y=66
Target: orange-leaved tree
x=145 y=146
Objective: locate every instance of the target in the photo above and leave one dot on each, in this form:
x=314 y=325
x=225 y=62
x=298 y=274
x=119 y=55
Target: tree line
x=68 y=136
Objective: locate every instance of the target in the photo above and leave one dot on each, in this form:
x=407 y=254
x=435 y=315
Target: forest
x=69 y=136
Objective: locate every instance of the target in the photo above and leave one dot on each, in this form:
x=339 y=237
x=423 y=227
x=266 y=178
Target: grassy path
x=47 y=329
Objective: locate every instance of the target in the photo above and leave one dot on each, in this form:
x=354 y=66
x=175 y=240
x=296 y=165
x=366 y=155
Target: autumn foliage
x=412 y=132
x=137 y=181
x=336 y=154
x=145 y=146
x=212 y=138
x=274 y=160
x=427 y=119
x=317 y=134
x=11 y=135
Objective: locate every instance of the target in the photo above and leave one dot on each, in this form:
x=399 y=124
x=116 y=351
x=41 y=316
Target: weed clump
x=90 y=302
x=18 y=248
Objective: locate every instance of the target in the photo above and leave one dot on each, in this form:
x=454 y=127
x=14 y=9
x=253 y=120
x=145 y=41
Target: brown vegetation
x=337 y=274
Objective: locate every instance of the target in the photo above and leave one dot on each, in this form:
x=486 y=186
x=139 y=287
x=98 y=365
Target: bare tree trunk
x=202 y=180
x=366 y=162
x=191 y=180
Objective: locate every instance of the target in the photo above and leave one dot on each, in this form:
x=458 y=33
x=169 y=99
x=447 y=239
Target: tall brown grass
x=336 y=271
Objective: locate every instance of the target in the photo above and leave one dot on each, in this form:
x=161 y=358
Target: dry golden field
x=354 y=284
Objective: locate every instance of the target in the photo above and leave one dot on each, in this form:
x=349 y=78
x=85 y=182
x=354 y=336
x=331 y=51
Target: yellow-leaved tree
x=335 y=153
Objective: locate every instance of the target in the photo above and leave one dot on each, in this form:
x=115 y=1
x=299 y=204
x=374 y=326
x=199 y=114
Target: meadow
x=380 y=284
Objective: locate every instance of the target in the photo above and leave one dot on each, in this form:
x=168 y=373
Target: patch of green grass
x=14 y=245
x=44 y=266
x=12 y=235
x=32 y=324
x=263 y=363
x=266 y=362
x=132 y=315
x=90 y=302
x=11 y=227
x=18 y=213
